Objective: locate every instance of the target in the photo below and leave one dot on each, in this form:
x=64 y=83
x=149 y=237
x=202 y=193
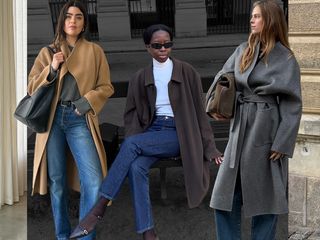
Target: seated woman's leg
x=159 y=141
x=160 y=144
x=139 y=184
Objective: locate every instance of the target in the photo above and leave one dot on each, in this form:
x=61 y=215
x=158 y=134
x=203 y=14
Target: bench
x=112 y=136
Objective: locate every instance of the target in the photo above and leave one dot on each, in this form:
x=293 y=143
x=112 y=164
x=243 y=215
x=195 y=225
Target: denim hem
x=145 y=229
x=106 y=196
x=62 y=238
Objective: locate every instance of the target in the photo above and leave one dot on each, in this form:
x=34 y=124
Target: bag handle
x=53 y=51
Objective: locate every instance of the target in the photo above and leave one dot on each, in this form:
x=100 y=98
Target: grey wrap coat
x=267 y=117
x=195 y=136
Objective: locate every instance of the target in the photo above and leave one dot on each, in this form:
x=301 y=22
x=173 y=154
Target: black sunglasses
x=159 y=45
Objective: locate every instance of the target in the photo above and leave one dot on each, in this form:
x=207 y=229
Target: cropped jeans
x=70 y=129
x=228 y=224
x=136 y=156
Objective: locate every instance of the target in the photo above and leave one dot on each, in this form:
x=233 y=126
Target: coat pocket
x=265 y=124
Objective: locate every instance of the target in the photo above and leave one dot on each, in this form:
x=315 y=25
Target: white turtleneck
x=162 y=73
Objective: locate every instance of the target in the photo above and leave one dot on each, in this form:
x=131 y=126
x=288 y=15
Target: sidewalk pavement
x=173 y=219
x=303 y=233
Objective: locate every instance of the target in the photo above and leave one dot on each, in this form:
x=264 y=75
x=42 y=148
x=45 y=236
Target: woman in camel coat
x=82 y=77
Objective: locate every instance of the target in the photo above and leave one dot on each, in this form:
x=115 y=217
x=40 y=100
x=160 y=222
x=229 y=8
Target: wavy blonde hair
x=274 y=29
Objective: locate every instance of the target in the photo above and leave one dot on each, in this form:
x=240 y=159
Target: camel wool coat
x=197 y=146
x=88 y=65
x=268 y=110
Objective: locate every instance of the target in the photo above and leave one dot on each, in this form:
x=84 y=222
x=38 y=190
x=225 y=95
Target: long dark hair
x=60 y=35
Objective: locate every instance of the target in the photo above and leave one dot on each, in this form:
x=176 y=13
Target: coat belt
x=241 y=112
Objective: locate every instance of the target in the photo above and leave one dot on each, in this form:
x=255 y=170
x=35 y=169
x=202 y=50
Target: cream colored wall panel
x=304 y=17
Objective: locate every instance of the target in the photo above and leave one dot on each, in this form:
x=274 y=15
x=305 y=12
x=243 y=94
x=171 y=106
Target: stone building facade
x=304 y=168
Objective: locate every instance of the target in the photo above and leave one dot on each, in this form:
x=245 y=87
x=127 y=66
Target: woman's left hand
x=276 y=155
x=218 y=160
x=77 y=112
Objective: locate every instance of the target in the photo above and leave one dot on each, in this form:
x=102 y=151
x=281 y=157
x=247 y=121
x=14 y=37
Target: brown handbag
x=221 y=97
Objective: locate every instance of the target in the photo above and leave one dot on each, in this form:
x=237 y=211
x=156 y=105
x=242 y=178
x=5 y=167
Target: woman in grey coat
x=263 y=130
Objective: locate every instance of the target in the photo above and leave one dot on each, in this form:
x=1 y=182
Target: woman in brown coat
x=164 y=117
x=81 y=74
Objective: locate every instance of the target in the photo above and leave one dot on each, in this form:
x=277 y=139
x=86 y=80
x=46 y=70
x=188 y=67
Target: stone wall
x=304 y=167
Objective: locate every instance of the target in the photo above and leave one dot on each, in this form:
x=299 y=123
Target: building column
x=113 y=20
x=190 y=18
x=40 y=28
x=304 y=167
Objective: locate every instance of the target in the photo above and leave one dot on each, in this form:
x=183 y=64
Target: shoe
x=89 y=222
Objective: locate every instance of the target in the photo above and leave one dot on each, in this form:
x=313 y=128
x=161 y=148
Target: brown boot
x=89 y=222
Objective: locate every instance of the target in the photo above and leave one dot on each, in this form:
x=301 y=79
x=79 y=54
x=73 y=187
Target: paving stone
x=299 y=233
x=315 y=235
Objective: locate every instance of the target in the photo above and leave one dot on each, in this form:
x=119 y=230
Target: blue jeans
x=72 y=130
x=228 y=224
x=136 y=156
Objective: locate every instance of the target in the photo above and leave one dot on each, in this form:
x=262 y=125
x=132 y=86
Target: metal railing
x=144 y=13
x=231 y=16
x=91 y=5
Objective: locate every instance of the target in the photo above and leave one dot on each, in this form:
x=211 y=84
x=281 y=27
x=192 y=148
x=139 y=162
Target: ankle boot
x=89 y=222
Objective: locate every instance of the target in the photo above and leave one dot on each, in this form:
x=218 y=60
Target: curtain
x=13 y=151
x=20 y=40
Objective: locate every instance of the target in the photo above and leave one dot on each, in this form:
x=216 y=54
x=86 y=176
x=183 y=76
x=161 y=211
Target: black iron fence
x=143 y=13
x=91 y=5
x=228 y=16
x=231 y=16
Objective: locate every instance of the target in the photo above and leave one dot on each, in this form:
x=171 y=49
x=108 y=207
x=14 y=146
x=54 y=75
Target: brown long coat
x=89 y=66
x=197 y=146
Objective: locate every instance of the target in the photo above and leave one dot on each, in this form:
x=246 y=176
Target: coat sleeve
x=209 y=146
x=131 y=120
x=98 y=96
x=39 y=71
x=290 y=107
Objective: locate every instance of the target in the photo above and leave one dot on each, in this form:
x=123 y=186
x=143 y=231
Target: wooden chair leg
x=163 y=183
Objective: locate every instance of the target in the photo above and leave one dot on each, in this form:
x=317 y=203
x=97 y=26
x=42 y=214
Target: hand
x=77 y=112
x=275 y=155
x=218 y=160
x=57 y=59
x=218 y=117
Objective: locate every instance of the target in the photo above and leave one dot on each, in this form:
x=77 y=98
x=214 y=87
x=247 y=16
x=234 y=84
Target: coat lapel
x=247 y=73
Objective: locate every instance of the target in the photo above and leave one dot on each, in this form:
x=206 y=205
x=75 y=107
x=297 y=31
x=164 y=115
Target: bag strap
x=52 y=50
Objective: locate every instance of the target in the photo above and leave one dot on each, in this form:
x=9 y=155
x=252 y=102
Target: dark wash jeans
x=228 y=224
x=136 y=156
x=70 y=129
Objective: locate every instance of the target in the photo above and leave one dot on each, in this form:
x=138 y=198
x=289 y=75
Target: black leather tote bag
x=34 y=110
